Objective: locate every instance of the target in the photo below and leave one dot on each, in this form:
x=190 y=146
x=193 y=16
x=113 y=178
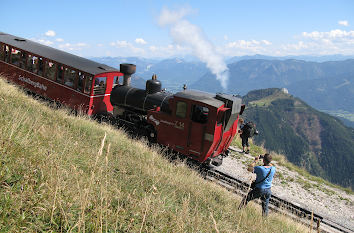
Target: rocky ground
x=331 y=203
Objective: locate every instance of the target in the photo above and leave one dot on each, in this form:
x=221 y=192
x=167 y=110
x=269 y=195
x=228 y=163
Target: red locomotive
x=197 y=124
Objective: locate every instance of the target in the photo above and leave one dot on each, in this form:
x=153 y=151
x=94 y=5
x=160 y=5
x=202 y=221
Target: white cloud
x=333 y=34
x=59 y=40
x=301 y=45
x=122 y=44
x=81 y=44
x=332 y=42
x=251 y=44
x=73 y=47
x=343 y=23
x=140 y=41
x=50 y=33
x=266 y=42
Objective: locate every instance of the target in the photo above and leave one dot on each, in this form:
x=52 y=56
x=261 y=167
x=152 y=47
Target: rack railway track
x=319 y=223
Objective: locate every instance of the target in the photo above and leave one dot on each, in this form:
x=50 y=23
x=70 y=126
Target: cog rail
x=276 y=203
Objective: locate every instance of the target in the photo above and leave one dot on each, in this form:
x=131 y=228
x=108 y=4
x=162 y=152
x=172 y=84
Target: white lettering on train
x=32 y=83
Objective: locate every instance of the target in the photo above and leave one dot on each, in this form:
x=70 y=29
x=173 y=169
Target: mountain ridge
x=308 y=138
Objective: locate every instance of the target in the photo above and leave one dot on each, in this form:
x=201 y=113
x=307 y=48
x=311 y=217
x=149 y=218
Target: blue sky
x=180 y=28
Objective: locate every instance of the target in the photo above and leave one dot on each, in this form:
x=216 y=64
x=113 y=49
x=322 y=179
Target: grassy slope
x=54 y=178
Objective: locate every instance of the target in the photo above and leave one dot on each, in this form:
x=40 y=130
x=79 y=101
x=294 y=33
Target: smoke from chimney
x=185 y=33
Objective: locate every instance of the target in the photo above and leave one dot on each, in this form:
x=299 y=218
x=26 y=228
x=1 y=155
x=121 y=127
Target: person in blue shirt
x=262 y=184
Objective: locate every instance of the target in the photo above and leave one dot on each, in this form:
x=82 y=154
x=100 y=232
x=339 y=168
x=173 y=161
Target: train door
x=174 y=130
x=102 y=88
x=99 y=94
x=199 y=119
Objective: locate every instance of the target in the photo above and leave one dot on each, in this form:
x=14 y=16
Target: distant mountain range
x=336 y=57
x=173 y=73
x=309 y=138
x=325 y=86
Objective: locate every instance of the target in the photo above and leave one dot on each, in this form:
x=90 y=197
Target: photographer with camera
x=263 y=183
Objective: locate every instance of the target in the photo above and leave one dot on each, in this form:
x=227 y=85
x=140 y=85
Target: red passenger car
x=76 y=82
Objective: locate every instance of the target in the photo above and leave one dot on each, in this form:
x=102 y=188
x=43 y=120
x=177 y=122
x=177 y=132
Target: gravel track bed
x=331 y=203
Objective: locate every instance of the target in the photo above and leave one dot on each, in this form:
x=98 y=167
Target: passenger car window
x=32 y=64
x=7 y=54
x=16 y=57
x=181 y=109
x=100 y=86
x=50 y=68
x=199 y=114
x=80 y=81
x=23 y=60
x=117 y=81
x=40 y=66
x=2 y=52
x=88 y=84
x=60 y=74
x=69 y=77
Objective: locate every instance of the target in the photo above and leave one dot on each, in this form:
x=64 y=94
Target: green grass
x=266 y=101
x=254 y=149
x=64 y=173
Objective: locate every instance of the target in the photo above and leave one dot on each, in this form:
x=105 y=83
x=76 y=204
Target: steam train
x=196 y=124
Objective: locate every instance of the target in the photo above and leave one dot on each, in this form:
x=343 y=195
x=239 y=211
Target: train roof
x=200 y=96
x=57 y=55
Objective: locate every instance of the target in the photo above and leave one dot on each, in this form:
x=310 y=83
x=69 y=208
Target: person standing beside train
x=247 y=130
x=261 y=187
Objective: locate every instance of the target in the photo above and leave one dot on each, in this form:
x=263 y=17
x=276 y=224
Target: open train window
x=69 y=77
x=60 y=74
x=199 y=114
x=50 y=69
x=32 y=64
x=2 y=52
x=181 y=109
x=100 y=85
x=88 y=85
x=18 y=58
x=40 y=66
x=80 y=81
x=7 y=54
x=23 y=60
x=15 y=57
x=117 y=80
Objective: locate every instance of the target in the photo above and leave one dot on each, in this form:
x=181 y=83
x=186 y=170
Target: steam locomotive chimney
x=127 y=70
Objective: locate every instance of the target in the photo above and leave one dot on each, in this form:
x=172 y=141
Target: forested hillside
x=309 y=138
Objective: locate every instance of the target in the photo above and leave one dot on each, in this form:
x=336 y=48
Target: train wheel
x=151 y=134
x=102 y=117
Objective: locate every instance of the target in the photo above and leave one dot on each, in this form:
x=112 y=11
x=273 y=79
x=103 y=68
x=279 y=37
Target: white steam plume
x=185 y=33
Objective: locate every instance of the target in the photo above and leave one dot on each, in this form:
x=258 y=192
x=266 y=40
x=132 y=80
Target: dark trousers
x=264 y=194
x=244 y=141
